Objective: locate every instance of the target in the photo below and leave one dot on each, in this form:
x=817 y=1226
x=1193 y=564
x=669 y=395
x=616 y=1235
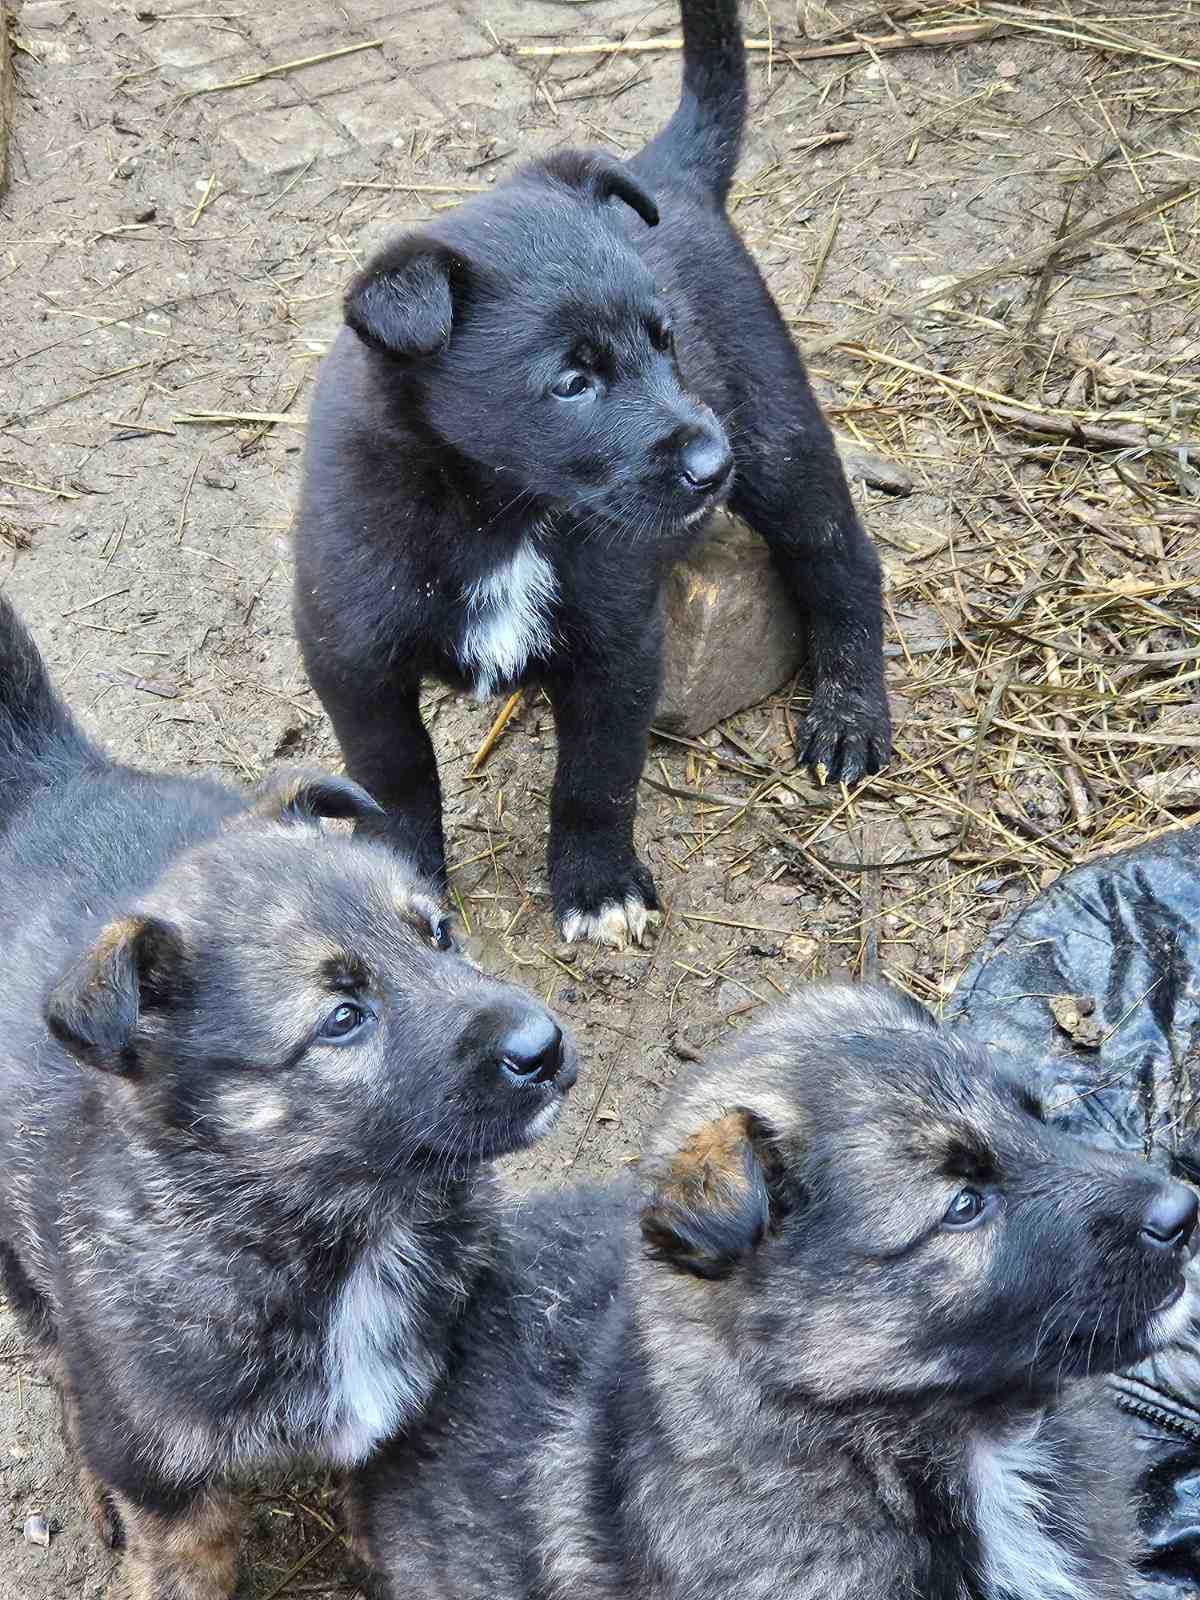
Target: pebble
x=37 y=1529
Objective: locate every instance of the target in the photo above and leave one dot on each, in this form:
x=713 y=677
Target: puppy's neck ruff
x=1022 y=1556
x=508 y=618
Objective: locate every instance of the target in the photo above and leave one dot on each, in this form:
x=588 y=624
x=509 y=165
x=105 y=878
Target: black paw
x=846 y=735
x=610 y=906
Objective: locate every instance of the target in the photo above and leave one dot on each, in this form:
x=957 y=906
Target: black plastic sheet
x=1094 y=990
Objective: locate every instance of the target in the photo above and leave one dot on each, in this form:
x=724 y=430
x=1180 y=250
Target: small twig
x=747 y=927
x=249 y=78
x=41 y=488
x=421 y=188
x=204 y=199
x=86 y=605
x=494 y=732
x=958 y=33
x=6 y=91
x=187 y=495
x=822 y=257
x=202 y=418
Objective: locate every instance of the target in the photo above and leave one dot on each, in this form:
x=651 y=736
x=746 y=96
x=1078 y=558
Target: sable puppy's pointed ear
x=716 y=1199
x=403 y=302
x=604 y=178
x=134 y=966
x=296 y=794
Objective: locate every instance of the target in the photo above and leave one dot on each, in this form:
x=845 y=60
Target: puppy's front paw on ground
x=616 y=924
x=845 y=736
x=614 y=910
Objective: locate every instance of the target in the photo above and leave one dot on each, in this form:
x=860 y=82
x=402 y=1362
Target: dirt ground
x=189 y=190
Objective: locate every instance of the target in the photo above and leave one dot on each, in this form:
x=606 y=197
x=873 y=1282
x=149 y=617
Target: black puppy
x=245 y=1087
x=857 y=1352
x=537 y=401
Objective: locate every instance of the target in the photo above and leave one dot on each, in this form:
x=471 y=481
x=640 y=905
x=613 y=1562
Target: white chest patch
x=1021 y=1557
x=507 y=619
x=378 y=1373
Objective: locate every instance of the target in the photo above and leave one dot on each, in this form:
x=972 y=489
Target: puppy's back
x=464 y=1482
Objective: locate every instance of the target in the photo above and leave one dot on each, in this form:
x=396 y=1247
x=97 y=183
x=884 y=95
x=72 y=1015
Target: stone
x=489 y=82
x=733 y=634
x=283 y=139
x=384 y=116
x=1174 y=791
x=865 y=466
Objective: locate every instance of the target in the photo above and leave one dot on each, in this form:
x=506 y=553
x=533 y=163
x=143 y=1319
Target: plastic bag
x=1094 y=989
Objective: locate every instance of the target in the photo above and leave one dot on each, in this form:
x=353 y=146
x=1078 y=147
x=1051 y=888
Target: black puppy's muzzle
x=705 y=462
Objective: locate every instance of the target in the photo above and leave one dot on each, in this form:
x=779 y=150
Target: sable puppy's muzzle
x=524 y=1048
x=1170 y=1218
x=532 y=1050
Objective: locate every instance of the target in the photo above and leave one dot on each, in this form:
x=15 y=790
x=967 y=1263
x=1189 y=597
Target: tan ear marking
x=714 y=1157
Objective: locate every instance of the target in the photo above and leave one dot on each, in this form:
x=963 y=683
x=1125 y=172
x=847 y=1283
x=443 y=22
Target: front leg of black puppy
x=602 y=713
x=797 y=499
x=388 y=751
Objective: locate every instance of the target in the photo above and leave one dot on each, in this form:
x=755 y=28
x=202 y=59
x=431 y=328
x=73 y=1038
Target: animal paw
x=846 y=735
x=615 y=912
x=101 y=1510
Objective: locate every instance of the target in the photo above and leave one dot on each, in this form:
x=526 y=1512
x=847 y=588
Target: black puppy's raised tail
x=39 y=738
x=702 y=139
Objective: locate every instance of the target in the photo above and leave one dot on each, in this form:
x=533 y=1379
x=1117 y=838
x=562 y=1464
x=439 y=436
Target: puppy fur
x=817 y=1373
x=246 y=1084
x=536 y=401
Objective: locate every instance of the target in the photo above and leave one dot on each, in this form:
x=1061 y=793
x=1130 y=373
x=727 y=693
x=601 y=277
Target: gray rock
x=733 y=635
x=861 y=464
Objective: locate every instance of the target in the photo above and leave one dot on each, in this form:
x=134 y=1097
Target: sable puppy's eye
x=572 y=386
x=663 y=339
x=440 y=935
x=343 y=1022
x=966 y=1209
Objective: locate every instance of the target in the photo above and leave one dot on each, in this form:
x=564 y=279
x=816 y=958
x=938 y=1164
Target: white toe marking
x=616 y=924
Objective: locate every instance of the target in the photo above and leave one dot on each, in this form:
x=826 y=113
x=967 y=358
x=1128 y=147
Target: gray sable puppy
x=856 y=1353
x=245 y=1086
x=535 y=403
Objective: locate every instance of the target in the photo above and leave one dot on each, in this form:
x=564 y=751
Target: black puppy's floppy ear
x=602 y=177
x=296 y=794
x=134 y=966
x=717 y=1198
x=402 y=302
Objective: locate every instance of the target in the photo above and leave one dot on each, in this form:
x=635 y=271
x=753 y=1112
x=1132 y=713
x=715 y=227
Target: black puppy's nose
x=531 y=1050
x=705 y=462
x=1171 y=1218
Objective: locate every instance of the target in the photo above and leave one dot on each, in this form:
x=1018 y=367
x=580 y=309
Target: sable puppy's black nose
x=705 y=462
x=531 y=1051
x=1171 y=1218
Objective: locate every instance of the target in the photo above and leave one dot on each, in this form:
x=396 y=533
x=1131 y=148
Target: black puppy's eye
x=967 y=1208
x=343 y=1022
x=440 y=936
x=663 y=339
x=571 y=386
